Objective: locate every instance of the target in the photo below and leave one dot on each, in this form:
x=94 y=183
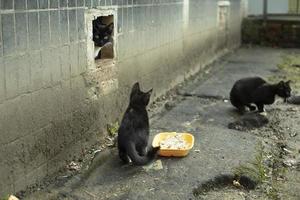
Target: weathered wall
x=50 y=108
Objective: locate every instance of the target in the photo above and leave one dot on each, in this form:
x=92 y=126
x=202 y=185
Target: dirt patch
x=274 y=161
x=249 y=121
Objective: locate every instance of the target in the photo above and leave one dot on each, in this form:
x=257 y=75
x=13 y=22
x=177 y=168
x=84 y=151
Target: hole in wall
x=103 y=32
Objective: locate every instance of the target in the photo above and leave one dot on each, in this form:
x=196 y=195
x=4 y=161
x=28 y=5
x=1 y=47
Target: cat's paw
x=252 y=108
x=156 y=149
x=263 y=113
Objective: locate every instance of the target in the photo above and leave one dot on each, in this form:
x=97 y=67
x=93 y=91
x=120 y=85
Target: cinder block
x=8 y=33
x=54 y=27
x=25 y=113
x=36 y=175
x=46 y=67
x=43 y=4
x=11 y=77
x=120 y=22
x=57 y=104
x=36 y=71
x=66 y=97
x=23 y=74
x=7 y=185
x=2 y=82
x=81 y=24
x=71 y=3
x=19 y=4
x=51 y=67
x=10 y=122
x=73 y=26
x=88 y=3
x=44 y=28
x=82 y=57
x=32 y=4
x=54 y=66
x=95 y=3
x=114 y=2
x=21 y=31
x=1 y=42
x=109 y=2
x=54 y=3
x=63 y=3
x=74 y=59
x=125 y=20
x=15 y=160
x=6 y=4
x=66 y=156
x=54 y=141
x=102 y=3
x=40 y=110
x=65 y=62
x=78 y=92
x=80 y=3
x=35 y=149
x=130 y=18
x=2 y=127
x=33 y=31
x=64 y=29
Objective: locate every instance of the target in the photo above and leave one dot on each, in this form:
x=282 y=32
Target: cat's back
x=133 y=119
x=248 y=84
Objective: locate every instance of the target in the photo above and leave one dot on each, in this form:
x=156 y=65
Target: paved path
x=218 y=149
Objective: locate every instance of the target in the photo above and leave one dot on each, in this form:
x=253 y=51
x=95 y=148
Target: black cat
x=256 y=90
x=102 y=33
x=133 y=133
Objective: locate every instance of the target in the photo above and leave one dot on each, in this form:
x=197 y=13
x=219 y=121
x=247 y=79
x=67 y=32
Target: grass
x=112 y=129
x=256 y=169
x=4 y=198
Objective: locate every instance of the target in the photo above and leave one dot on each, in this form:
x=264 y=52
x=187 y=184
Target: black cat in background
x=102 y=33
x=255 y=90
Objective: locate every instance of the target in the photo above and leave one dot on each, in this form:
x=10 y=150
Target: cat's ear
x=110 y=26
x=135 y=87
x=281 y=83
x=146 y=98
x=150 y=91
x=288 y=82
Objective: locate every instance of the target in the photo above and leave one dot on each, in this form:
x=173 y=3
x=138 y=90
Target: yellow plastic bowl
x=189 y=139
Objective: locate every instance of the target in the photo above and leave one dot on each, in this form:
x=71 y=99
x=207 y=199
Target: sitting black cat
x=256 y=90
x=133 y=133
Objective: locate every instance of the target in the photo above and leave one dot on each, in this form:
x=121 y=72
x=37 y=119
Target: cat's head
x=138 y=97
x=284 y=89
x=102 y=33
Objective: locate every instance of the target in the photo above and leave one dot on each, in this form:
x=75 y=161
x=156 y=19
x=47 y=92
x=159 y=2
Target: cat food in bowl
x=173 y=144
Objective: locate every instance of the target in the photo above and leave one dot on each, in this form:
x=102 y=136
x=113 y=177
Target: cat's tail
x=137 y=159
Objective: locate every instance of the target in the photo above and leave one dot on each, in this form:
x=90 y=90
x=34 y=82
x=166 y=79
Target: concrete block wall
x=52 y=110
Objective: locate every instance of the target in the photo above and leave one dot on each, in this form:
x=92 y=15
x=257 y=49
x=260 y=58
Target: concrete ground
x=201 y=107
